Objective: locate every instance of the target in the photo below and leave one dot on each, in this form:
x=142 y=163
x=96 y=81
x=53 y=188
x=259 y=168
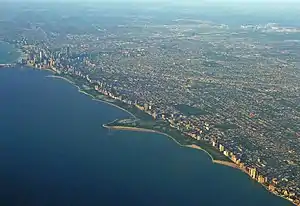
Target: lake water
x=7 y=53
x=54 y=151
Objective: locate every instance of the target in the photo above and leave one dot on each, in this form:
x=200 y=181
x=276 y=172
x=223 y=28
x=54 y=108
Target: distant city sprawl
x=234 y=87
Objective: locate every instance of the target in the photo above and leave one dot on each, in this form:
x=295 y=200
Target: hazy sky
x=269 y=2
x=185 y=1
x=233 y=4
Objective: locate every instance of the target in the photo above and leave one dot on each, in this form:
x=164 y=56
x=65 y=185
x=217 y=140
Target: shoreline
x=221 y=162
x=193 y=146
x=93 y=97
x=136 y=129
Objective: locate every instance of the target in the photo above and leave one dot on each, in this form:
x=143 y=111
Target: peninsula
x=231 y=90
x=142 y=120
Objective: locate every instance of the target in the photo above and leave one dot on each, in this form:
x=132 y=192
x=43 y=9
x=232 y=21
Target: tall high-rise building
x=271 y=187
x=41 y=56
x=68 y=51
x=285 y=193
x=221 y=148
x=261 y=179
x=253 y=172
x=233 y=158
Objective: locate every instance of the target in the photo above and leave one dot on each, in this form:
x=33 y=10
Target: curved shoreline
x=93 y=98
x=193 y=146
x=136 y=129
x=221 y=162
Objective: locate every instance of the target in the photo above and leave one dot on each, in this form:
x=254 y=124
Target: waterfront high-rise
x=253 y=172
x=271 y=187
x=221 y=148
x=233 y=158
x=261 y=179
x=41 y=56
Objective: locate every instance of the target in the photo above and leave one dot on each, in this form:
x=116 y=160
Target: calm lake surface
x=7 y=53
x=54 y=151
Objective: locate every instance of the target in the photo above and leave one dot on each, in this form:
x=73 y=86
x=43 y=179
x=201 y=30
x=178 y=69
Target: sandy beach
x=193 y=146
x=59 y=77
x=226 y=163
x=143 y=130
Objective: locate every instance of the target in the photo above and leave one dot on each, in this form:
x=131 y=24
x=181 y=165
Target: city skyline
x=227 y=83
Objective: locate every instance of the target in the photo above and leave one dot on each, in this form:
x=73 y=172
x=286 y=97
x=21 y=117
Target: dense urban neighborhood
x=233 y=87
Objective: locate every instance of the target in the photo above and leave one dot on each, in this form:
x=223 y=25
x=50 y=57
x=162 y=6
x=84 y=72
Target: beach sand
x=193 y=146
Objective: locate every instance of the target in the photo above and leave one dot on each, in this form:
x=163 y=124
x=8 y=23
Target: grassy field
x=146 y=121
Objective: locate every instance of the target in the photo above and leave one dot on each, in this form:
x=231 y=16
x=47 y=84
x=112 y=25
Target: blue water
x=53 y=151
x=7 y=53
